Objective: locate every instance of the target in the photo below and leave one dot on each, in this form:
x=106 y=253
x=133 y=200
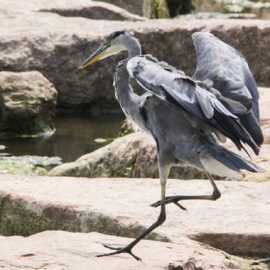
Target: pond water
x=74 y=137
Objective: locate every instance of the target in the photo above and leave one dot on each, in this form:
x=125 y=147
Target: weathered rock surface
x=262 y=160
x=264 y=105
x=259 y=8
x=30 y=40
x=266 y=134
x=81 y=8
x=27 y=104
x=133 y=155
x=65 y=250
x=143 y=8
x=238 y=222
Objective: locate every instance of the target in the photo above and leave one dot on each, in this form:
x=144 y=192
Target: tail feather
x=251 y=124
x=234 y=130
x=223 y=162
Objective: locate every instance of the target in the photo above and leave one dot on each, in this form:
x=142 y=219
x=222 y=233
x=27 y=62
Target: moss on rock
x=20 y=217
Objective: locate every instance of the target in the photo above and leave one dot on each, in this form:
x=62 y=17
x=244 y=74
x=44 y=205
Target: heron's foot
x=171 y=199
x=118 y=250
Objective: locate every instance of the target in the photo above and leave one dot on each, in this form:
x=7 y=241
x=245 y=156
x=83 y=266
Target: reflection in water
x=73 y=138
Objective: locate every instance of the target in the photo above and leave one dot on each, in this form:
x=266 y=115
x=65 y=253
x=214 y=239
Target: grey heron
x=185 y=116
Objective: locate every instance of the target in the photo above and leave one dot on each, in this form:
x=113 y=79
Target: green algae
x=27 y=165
x=250 y=264
x=20 y=217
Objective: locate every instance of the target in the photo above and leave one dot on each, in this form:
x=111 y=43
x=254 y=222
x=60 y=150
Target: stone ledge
x=58 y=51
x=64 y=250
x=120 y=207
x=97 y=10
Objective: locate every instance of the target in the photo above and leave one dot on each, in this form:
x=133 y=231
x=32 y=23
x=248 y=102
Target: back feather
x=185 y=93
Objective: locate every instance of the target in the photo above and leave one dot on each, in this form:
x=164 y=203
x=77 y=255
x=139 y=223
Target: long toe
x=113 y=248
x=119 y=251
x=156 y=204
x=168 y=200
x=180 y=206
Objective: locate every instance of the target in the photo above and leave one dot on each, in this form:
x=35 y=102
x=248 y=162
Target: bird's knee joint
x=216 y=194
x=161 y=219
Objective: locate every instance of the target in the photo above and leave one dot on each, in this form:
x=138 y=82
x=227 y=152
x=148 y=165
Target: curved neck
x=128 y=100
x=133 y=47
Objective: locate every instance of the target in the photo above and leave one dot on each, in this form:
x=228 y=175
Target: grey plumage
x=229 y=72
x=182 y=114
x=184 y=92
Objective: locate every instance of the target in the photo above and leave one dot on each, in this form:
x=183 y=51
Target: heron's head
x=115 y=43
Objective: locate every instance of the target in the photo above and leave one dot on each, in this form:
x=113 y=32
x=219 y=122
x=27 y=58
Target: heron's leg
x=175 y=199
x=163 y=172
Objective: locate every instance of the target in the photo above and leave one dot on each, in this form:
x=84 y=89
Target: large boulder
x=80 y=8
x=30 y=41
x=133 y=155
x=27 y=104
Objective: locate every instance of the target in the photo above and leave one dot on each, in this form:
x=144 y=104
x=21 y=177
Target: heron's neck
x=122 y=85
x=133 y=47
x=128 y=100
x=123 y=90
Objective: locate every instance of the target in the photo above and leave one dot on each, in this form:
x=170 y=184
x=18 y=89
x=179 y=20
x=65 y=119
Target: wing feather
x=228 y=69
x=185 y=93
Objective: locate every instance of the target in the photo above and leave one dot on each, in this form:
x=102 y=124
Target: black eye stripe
x=115 y=34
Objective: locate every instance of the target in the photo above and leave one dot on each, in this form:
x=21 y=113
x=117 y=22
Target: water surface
x=73 y=138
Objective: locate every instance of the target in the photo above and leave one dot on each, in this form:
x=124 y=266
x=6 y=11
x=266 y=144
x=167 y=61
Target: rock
x=58 y=51
x=27 y=165
x=143 y=8
x=27 y=104
x=216 y=15
x=127 y=127
x=80 y=8
x=262 y=160
x=121 y=207
x=133 y=155
x=65 y=250
x=266 y=134
x=264 y=105
x=259 y=8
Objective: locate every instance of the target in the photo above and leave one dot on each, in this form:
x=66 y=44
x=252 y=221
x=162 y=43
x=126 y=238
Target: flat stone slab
x=97 y=10
x=141 y=7
x=55 y=250
x=57 y=51
x=238 y=222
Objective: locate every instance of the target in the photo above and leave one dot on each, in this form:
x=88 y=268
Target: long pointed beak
x=100 y=53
